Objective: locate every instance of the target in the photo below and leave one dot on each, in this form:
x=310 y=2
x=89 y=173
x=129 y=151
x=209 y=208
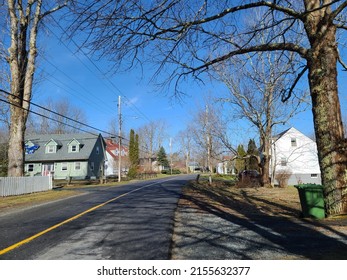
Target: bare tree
x=198 y=34
x=151 y=138
x=256 y=85
x=209 y=134
x=65 y=119
x=24 y=20
x=185 y=138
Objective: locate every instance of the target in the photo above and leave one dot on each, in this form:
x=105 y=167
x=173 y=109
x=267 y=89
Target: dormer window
x=52 y=146
x=51 y=149
x=74 y=146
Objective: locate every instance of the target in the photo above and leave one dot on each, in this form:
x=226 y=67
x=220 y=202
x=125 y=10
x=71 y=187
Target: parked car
x=251 y=174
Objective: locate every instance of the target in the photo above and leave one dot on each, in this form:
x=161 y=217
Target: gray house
x=77 y=156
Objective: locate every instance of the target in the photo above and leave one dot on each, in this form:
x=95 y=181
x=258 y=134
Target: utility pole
x=119 y=139
x=209 y=144
x=171 y=155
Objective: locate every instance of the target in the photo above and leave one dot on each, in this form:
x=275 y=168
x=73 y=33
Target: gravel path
x=206 y=229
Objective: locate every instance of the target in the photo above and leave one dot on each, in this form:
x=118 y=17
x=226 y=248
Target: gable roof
x=112 y=146
x=62 y=154
x=291 y=129
x=57 y=142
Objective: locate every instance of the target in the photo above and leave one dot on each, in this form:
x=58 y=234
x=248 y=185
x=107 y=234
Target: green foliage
x=132 y=172
x=133 y=154
x=162 y=158
x=252 y=162
x=241 y=151
x=240 y=163
x=252 y=148
x=168 y=171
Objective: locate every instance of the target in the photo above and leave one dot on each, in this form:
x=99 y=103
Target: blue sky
x=72 y=76
x=64 y=74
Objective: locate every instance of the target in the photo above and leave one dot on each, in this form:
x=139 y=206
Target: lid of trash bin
x=308 y=186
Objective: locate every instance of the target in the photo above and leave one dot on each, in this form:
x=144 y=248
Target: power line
x=80 y=85
x=64 y=123
x=50 y=111
x=137 y=109
x=95 y=65
x=78 y=128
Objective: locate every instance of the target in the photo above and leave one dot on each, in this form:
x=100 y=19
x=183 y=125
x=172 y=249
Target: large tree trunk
x=22 y=55
x=327 y=115
x=16 y=145
x=265 y=167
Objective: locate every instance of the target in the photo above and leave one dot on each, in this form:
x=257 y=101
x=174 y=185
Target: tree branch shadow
x=303 y=238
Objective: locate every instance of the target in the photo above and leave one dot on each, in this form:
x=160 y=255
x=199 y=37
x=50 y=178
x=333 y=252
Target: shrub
x=282 y=177
x=132 y=173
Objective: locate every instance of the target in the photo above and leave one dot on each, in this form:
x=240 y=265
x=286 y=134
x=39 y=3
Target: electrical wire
x=51 y=111
x=95 y=65
x=68 y=118
x=41 y=115
x=80 y=85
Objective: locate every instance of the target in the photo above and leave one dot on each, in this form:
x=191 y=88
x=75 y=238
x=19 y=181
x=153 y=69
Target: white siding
x=300 y=155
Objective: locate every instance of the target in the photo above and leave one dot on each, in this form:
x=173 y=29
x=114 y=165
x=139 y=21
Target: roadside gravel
x=224 y=222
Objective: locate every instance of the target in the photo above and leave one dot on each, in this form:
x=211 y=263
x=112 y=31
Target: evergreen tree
x=133 y=154
x=240 y=163
x=162 y=158
x=252 y=162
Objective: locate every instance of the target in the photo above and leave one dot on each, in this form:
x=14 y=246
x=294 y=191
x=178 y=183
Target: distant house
x=295 y=154
x=226 y=165
x=194 y=167
x=113 y=152
x=77 y=156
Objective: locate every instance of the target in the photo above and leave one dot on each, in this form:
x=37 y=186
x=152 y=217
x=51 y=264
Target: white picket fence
x=22 y=185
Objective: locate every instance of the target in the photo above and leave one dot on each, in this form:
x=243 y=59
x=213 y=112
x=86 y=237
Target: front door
x=47 y=169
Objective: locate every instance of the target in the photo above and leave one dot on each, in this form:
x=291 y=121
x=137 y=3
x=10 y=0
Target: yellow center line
x=31 y=238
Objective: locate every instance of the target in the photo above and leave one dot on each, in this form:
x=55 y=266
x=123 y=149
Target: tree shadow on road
x=238 y=228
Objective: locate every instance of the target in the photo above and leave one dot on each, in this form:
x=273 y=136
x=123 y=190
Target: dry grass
x=27 y=200
x=241 y=201
x=265 y=205
x=280 y=202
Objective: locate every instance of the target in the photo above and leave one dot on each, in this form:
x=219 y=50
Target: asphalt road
x=134 y=221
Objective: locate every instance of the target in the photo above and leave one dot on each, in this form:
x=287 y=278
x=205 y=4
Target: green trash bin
x=312 y=200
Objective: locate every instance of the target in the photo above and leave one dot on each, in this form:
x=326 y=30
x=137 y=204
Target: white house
x=296 y=154
x=112 y=153
x=226 y=166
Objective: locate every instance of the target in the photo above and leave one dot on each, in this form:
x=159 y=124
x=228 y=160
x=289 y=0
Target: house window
x=51 y=149
x=64 y=166
x=283 y=161
x=77 y=166
x=73 y=148
x=293 y=142
x=97 y=150
x=30 y=167
x=314 y=175
x=92 y=166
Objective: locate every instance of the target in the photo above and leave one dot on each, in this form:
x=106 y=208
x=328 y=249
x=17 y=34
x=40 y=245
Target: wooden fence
x=22 y=185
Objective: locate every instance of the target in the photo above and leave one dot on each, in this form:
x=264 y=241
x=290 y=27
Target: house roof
x=279 y=135
x=291 y=129
x=62 y=154
x=111 y=147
